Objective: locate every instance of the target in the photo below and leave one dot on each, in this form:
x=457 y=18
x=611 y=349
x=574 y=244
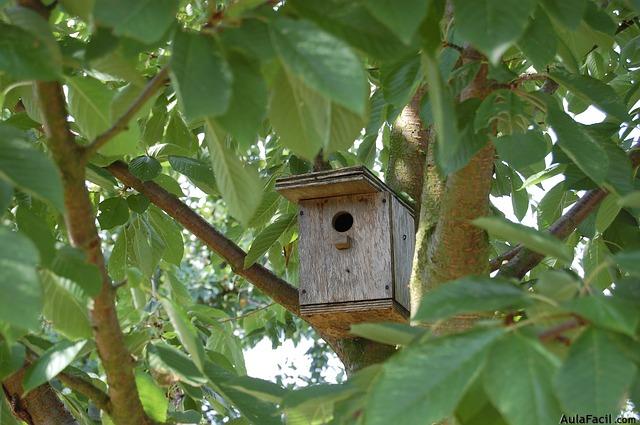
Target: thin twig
x=557 y=331
x=87 y=389
x=528 y=77
x=242 y=316
x=155 y=84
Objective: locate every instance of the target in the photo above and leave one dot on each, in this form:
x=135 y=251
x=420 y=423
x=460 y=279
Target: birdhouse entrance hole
x=342 y=221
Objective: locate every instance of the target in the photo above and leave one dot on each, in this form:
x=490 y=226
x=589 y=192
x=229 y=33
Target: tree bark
x=408 y=151
x=358 y=353
x=41 y=406
x=454 y=247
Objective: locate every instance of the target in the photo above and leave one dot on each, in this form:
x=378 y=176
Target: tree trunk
x=408 y=151
x=454 y=246
x=41 y=406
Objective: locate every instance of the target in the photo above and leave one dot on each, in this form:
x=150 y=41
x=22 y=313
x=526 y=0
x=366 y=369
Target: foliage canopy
x=127 y=113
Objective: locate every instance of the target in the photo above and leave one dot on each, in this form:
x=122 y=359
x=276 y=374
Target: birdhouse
x=356 y=248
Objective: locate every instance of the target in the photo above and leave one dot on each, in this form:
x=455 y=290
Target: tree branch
x=557 y=331
x=521 y=260
x=279 y=290
x=80 y=222
x=152 y=87
x=87 y=389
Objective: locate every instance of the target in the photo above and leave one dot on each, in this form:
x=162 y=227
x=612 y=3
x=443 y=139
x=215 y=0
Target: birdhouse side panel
x=404 y=242
x=345 y=249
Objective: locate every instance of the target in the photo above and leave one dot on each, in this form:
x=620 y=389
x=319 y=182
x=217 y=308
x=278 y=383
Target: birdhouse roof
x=326 y=184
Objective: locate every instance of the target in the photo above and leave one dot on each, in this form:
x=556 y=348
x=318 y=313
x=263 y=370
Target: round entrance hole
x=342 y=221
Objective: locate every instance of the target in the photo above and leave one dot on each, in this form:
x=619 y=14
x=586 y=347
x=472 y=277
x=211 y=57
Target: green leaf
x=399 y=80
x=37 y=229
x=166 y=359
x=6 y=195
x=113 y=212
x=51 y=363
x=629 y=261
x=266 y=210
x=423 y=383
x=518 y=380
x=81 y=8
x=595 y=375
x=239 y=184
x=144 y=20
x=402 y=21
x=152 y=397
x=29 y=169
x=223 y=341
x=70 y=263
x=138 y=203
x=577 y=144
x=568 y=12
x=11 y=359
x=492 y=26
x=89 y=103
x=65 y=306
x=631 y=200
x=198 y=67
x=313 y=404
x=539 y=41
x=322 y=61
x=540 y=242
x=502 y=109
x=468 y=295
x=248 y=106
x=145 y=167
x=254 y=409
x=187 y=333
x=258 y=388
x=169 y=184
x=146 y=246
x=177 y=132
x=444 y=116
x=387 y=332
x=118 y=259
x=593 y=91
x=595 y=253
x=299 y=115
x=353 y=23
x=21 y=300
x=24 y=56
x=268 y=237
x=521 y=150
x=171 y=234
x=345 y=128
x=614 y=313
x=199 y=172
x=607 y=212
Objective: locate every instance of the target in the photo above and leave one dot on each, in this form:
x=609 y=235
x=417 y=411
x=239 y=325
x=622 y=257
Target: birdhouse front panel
x=345 y=244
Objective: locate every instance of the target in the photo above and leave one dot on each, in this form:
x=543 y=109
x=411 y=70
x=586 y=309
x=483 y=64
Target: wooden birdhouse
x=356 y=248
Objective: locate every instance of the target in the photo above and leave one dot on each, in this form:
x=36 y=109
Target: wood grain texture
x=326 y=184
x=336 y=318
x=361 y=272
x=404 y=243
